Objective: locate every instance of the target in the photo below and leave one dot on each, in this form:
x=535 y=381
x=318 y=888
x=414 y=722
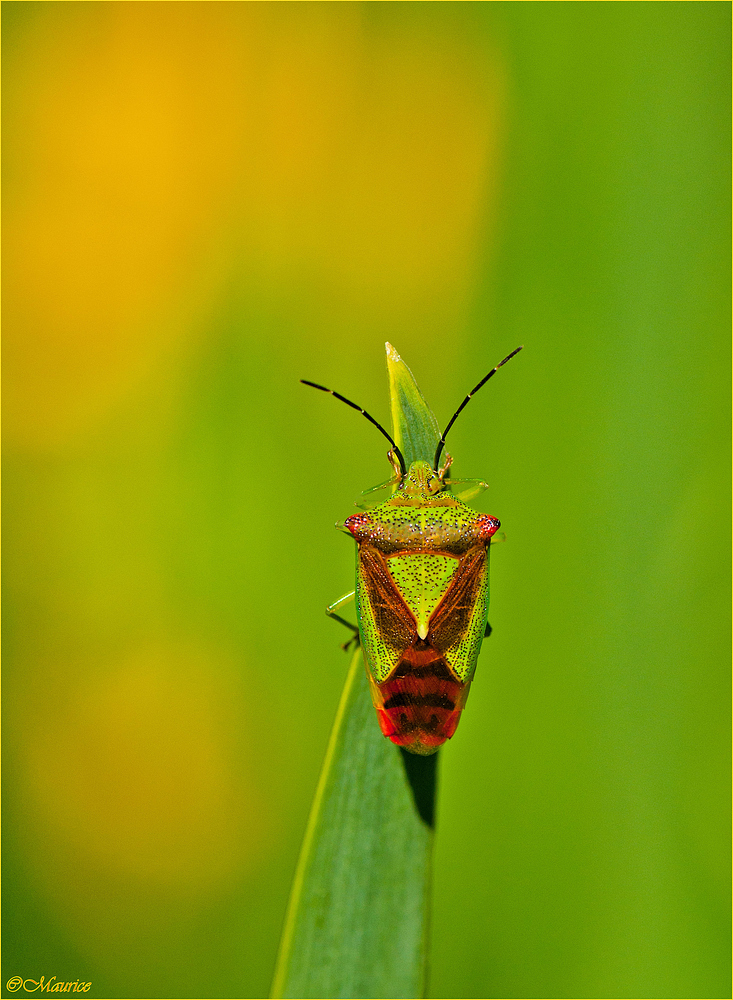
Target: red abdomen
x=422 y=700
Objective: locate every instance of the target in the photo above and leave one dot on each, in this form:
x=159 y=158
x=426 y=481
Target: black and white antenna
x=473 y=392
x=369 y=417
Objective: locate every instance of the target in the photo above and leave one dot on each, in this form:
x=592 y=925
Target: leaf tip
x=392 y=354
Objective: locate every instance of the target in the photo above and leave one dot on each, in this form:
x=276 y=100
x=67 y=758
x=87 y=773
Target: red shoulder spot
x=358 y=524
x=488 y=526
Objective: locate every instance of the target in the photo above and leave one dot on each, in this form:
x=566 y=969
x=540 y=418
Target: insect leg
x=330 y=611
x=377 y=494
x=488 y=631
x=346 y=599
x=468 y=488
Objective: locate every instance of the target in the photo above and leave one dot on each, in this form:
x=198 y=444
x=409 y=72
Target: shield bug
x=422 y=589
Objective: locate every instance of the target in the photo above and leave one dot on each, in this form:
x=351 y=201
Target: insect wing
x=387 y=625
x=458 y=624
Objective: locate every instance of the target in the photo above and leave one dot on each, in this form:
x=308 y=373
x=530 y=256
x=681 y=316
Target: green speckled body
x=422 y=591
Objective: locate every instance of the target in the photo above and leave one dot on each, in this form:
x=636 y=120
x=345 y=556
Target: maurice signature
x=52 y=985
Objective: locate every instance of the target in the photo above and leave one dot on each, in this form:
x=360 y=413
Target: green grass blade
x=415 y=429
x=357 y=920
x=358 y=914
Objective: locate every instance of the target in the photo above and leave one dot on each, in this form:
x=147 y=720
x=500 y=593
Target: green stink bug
x=422 y=592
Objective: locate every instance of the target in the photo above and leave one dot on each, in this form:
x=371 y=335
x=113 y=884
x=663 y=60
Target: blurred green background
x=205 y=202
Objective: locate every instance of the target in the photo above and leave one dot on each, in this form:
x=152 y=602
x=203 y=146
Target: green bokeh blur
x=205 y=202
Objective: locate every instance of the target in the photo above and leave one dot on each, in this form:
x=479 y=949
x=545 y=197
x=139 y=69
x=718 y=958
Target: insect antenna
x=473 y=392
x=364 y=413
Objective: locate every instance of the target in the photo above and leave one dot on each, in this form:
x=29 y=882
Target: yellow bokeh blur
x=160 y=151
